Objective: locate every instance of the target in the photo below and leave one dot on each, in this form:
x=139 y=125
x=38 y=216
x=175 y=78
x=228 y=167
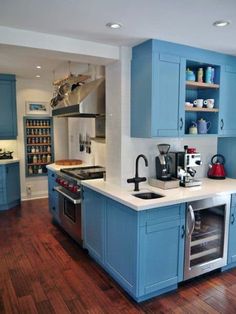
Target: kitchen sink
x=148 y=195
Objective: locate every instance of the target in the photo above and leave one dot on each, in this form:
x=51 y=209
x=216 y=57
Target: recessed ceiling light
x=38 y=67
x=38 y=76
x=221 y=23
x=113 y=25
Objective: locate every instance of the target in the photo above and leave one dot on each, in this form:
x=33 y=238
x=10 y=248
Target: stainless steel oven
x=69 y=193
x=70 y=213
x=206 y=242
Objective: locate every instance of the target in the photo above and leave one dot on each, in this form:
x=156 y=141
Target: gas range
x=70 y=178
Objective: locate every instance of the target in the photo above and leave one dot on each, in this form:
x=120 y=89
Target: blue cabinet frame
x=53 y=199
x=8 y=120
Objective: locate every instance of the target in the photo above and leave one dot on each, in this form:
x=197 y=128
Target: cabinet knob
x=222 y=124
x=183 y=232
x=181 y=124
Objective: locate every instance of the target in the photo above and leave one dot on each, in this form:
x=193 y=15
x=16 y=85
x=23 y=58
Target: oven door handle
x=192 y=219
x=73 y=200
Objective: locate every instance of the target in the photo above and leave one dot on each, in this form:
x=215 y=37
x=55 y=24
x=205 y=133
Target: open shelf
x=196 y=109
x=193 y=84
x=34 y=141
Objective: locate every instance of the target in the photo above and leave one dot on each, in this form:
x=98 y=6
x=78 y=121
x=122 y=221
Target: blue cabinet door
x=121 y=244
x=161 y=256
x=232 y=233
x=157 y=94
x=167 y=102
x=12 y=182
x=53 y=198
x=8 y=121
x=9 y=186
x=93 y=212
x=227 y=124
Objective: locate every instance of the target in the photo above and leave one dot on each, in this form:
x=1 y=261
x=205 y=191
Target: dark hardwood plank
x=43 y=271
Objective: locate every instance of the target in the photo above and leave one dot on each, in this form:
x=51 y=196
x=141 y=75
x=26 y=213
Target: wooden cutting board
x=68 y=162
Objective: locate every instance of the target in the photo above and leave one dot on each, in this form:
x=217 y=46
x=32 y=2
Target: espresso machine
x=162 y=163
x=182 y=166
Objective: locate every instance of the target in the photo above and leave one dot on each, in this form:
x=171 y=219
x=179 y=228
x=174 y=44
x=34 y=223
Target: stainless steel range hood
x=85 y=101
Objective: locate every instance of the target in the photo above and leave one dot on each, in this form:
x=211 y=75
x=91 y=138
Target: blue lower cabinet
x=142 y=250
x=231 y=262
x=53 y=199
x=93 y=211
x=9 y=185
x=121 y=244
x=161 y=258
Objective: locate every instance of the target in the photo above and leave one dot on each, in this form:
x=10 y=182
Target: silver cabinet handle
x=192 y=217
x=181 y=124
x=74 y=201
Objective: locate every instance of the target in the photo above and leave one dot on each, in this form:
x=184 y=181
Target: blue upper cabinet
x=227 y=125
x=155 y=92
x=8 y=121
x=160 y=89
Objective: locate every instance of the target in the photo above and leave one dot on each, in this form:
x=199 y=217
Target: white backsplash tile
x=207 y=147
x=9 y=145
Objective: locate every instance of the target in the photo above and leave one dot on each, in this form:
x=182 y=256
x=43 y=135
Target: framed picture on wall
x=37 y=108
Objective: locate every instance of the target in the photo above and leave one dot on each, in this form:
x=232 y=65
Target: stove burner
x=85 y=173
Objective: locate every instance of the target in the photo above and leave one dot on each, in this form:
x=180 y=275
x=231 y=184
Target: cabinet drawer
x=161 y=214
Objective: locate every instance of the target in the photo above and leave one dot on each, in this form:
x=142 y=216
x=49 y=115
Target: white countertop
x=209 y=188
x=8 y=161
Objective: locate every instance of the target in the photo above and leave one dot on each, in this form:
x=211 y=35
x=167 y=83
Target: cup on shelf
x=188 y=104
x=209 y=103
x=198 y=103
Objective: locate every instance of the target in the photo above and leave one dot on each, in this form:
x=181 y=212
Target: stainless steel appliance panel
x=70 y=214
x=206 y=242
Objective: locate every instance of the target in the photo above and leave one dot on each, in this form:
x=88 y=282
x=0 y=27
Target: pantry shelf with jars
x=39 y=149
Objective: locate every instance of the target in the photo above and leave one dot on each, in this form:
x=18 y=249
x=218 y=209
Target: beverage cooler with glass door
x=206 y=242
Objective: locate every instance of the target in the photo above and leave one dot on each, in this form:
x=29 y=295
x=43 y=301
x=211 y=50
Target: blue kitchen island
x=141 y=243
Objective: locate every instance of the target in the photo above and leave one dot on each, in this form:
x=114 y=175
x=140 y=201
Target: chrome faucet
x=136 y=180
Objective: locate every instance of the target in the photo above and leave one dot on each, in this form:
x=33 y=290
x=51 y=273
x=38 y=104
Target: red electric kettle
x=216 y=168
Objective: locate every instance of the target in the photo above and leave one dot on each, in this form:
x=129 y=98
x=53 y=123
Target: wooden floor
x=43 y=271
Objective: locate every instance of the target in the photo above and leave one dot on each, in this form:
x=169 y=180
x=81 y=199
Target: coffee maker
x=182 y=166
x=162 y=163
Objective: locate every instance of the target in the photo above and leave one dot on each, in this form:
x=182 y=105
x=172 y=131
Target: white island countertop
x=8 y=161
x=124 y=195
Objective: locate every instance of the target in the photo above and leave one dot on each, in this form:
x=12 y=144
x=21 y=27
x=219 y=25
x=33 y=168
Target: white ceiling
x=182 y=21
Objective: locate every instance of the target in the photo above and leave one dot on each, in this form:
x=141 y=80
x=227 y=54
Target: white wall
x=122 y=150
x=85 y=126
x=36 y=90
